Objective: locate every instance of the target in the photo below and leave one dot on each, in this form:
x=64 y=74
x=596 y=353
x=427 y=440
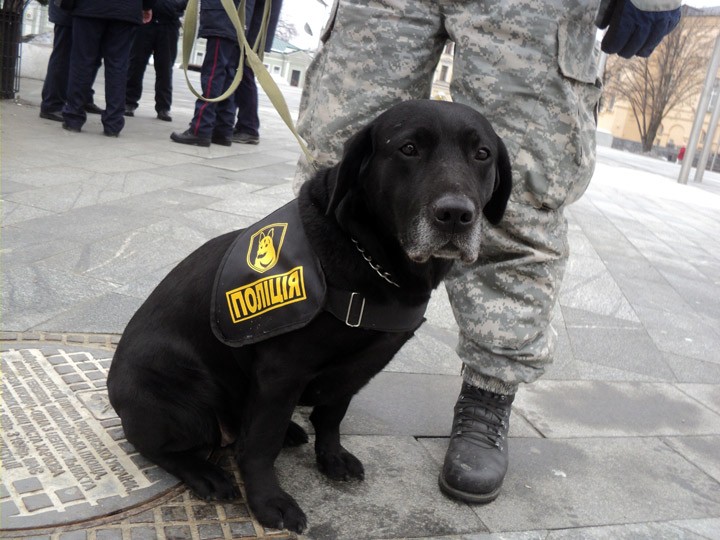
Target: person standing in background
x=54 y=91
x=103 y=28
x=247 y=126
x=158 y=38
x=212 y=121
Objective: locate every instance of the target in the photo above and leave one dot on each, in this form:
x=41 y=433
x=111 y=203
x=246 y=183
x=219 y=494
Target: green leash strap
x=247 y=54
x=237 y=17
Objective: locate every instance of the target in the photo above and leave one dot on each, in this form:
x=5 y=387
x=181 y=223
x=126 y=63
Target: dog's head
x=425 y=171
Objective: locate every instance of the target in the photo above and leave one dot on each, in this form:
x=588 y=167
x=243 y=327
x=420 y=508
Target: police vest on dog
x=271 y=282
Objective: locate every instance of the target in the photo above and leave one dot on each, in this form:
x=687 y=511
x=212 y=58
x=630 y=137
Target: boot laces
x=482 y=418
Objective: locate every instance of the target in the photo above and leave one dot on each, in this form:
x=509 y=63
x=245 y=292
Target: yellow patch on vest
x=266 y=294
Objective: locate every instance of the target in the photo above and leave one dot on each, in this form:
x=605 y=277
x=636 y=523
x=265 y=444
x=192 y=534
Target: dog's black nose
x=453 y=213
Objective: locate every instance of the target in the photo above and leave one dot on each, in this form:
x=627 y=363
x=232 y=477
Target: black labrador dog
x=198 y=368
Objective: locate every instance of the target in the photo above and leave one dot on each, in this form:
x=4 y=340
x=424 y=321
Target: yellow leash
x=251 y=55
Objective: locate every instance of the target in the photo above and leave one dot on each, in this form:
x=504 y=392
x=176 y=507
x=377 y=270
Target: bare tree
x=286 y=30
x=671 y=75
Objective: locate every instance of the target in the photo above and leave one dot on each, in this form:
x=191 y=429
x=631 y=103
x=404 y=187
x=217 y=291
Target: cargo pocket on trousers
x=578 y=56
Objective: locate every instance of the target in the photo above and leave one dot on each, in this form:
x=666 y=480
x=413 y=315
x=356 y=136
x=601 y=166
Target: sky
x=312 y=12
x=316 y=12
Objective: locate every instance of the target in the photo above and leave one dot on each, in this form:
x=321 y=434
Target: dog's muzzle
x=449 y=229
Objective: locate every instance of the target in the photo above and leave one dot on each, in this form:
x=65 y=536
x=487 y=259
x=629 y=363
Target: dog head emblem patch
x=265 y=245
x=271 y=276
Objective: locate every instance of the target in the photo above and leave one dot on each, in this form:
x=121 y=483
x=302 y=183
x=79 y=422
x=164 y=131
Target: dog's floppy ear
x=495 y=208
x=356 y=154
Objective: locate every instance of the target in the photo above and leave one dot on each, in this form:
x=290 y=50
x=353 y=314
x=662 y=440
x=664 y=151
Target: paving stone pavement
x=619 y=439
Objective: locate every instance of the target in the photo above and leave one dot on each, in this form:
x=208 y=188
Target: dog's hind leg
x=207 y=480
x=295 y=436
x=181 y=444
x=332 y=459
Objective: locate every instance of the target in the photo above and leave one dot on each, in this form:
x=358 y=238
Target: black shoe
x=244 y=138
x=109 y=133
x=70 y=128
x=93 y=109
x=56 y=116
x=222 y=141
x=130 y=110
x=477 y=458
x=164 y=115
x=186 y=137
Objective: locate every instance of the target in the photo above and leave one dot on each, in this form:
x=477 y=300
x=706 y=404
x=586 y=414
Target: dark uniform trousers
x=160 y=40
x=113 y=39
x=218 y=70
x=54 y=91
x=246 y=99
x=246 y=95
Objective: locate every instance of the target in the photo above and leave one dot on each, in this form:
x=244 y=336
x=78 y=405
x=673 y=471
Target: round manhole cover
x=63 y=453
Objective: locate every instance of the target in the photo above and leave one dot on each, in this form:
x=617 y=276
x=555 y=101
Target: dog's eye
x=482 y=154
x=409 y=150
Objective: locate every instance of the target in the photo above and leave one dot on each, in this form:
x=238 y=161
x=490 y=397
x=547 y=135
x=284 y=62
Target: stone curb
x=106 y=341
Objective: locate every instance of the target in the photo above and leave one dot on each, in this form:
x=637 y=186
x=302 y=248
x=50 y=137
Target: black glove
x=633 y=31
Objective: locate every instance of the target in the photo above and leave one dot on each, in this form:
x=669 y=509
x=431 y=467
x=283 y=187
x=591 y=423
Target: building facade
x=287 y=62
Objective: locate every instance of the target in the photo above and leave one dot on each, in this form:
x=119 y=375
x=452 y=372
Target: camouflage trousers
x=530 y=66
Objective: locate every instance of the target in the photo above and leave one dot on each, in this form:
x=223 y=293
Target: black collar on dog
x=358 y=312
x=270 y=282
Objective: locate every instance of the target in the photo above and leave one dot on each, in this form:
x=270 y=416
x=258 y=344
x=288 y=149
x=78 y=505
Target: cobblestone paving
x=174 y=513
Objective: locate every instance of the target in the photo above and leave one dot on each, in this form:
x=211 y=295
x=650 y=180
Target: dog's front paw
x=340 y=466
x=279 y=511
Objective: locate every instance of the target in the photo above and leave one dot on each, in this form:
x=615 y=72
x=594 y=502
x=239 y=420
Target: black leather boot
x=477 y=458
x=187 y=137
